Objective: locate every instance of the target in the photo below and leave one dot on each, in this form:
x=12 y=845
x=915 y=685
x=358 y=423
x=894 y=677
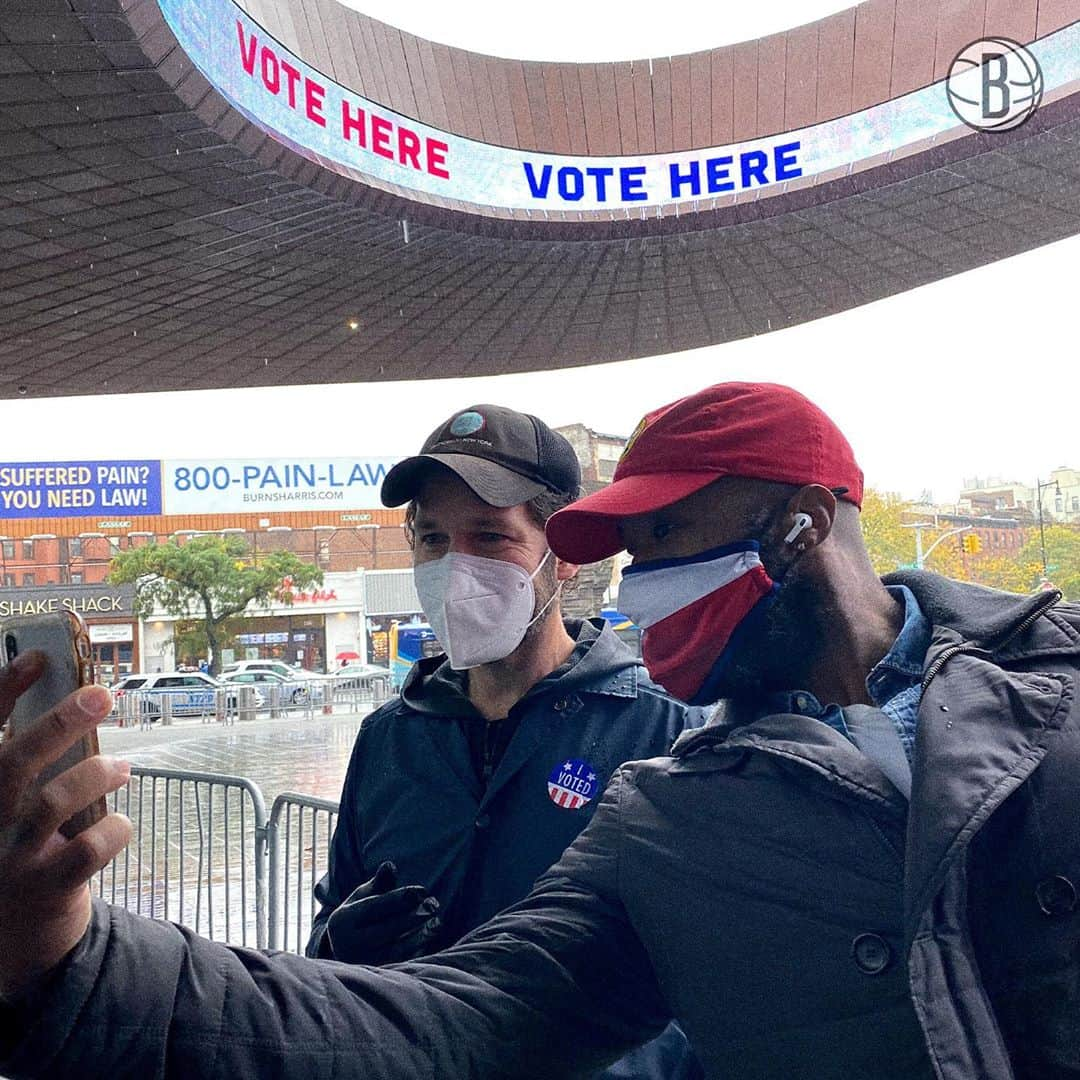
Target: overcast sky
x=600 y=30
x=973 y=375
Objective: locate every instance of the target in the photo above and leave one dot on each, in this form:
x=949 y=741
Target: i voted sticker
x=572 y=784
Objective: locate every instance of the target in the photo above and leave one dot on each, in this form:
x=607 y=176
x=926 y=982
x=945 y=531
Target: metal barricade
x=292 y=699
x=204 y=852
x=129 y=709
x=274 y=699
x=298 y=835
x=198 y=853
x=363 y=691
x=225 y=706
x=143 y=708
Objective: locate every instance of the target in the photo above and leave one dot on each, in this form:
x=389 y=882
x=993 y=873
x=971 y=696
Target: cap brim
x=494 y=484
x=588 y=530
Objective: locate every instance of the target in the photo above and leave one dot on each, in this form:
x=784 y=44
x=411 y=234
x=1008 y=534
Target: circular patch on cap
x=642 y=424
x=467 y=423
x=572 y=784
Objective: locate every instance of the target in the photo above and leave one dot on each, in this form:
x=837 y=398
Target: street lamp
x=1042 y=534
x=920 y=555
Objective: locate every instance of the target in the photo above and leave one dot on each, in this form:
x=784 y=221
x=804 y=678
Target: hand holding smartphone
x=65 y=641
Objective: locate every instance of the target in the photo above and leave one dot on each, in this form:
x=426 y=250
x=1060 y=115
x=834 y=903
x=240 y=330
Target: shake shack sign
x=90 y=601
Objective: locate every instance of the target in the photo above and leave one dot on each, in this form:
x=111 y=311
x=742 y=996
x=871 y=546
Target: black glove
x=382 y=923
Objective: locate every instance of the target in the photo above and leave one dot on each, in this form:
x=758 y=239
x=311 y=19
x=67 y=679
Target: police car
x=290 y=690
x=278 y=667
x=191 y=692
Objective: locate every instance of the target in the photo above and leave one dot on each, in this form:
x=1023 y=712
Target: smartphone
x=65 y=641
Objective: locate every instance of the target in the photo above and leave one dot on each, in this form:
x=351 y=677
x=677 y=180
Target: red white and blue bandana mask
x=690 y=609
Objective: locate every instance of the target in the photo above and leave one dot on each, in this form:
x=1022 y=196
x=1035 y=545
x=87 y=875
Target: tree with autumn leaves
x=891 y=545
x=210 y=578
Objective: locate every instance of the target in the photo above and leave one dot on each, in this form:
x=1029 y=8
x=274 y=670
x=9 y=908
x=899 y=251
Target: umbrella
x=348 y=656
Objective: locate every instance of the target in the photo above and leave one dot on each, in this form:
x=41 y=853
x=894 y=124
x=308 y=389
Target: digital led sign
x=333 y=125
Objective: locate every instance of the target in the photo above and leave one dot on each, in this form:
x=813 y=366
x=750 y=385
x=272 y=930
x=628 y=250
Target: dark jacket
x=412 y=795
x=767 y=885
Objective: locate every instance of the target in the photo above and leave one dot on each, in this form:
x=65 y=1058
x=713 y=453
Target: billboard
x=246 y=486
x=59 y=489
x=115 y=489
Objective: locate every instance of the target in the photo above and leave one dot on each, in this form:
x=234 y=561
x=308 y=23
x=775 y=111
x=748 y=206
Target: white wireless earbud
x=802 y=523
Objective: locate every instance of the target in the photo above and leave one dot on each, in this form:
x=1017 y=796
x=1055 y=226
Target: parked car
x=191 y=693
x=279 y=667
x=351 y=675
x=293 y=691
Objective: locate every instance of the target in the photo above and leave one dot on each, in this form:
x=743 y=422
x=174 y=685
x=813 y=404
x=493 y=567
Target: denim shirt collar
x=908 y=651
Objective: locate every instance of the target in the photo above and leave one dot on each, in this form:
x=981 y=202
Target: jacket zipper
x=969 y=647
x=490 y=737
x=489 y=755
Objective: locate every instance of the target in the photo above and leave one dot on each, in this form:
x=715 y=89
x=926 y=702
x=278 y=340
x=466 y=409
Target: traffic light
x=972 y=544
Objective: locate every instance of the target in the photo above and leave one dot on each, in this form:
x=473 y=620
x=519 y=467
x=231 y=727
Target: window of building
x=9 y=581
x=28 y=579
x=1076 y=502
x=28 y=549
x=1059 y=504
x=9 y=549
x=76 y=579
x=75 y=548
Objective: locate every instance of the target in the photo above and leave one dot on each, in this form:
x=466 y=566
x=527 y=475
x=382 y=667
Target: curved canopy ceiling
x=285 y=191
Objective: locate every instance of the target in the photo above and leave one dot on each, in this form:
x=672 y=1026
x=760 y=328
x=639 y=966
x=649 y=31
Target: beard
x=780 y=650
x=545 y=585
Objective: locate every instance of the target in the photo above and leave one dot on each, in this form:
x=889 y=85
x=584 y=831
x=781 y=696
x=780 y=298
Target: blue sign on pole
x=56 y=489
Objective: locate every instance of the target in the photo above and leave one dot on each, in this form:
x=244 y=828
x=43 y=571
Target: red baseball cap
x=760 y=431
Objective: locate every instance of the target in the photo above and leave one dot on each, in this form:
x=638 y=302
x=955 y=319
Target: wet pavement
x=293 y=753
x=193 y=854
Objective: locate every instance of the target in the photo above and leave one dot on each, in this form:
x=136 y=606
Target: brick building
x=597 y=454
x=77 y=551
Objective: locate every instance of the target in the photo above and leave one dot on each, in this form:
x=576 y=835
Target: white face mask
x=479 y=608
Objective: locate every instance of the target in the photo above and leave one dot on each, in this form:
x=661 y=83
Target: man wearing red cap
x=866 y=866
x=702 y=485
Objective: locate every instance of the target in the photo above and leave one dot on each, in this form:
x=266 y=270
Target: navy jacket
x=412 y=794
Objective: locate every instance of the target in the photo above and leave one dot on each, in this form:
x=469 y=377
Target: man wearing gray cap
x=468 y=786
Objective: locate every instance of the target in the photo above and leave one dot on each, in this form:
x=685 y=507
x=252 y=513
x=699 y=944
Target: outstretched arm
x=559 y=982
